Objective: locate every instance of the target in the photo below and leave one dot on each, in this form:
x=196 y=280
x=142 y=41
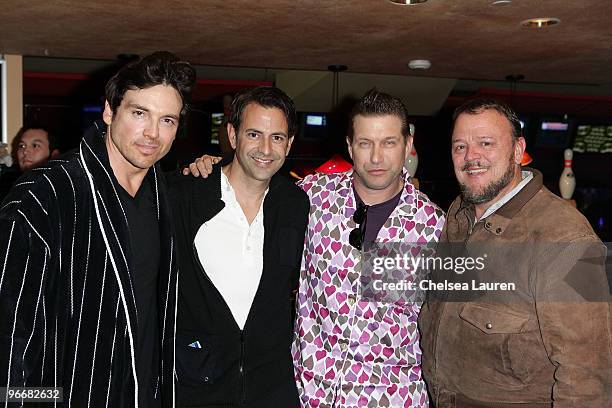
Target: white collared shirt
x=231 y=253
x=527 y=176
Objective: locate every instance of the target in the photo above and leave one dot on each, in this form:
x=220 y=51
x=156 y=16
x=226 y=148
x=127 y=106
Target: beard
x=491 y=190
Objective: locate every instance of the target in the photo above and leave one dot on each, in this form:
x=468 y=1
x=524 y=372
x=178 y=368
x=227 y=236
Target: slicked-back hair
x=376 y=103
x=268 y=97
x=159 y=68
x=476 y=106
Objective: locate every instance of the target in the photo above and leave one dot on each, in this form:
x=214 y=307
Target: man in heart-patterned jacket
x=352 y=350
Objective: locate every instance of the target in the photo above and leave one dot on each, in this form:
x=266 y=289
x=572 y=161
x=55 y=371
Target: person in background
x=33 y=145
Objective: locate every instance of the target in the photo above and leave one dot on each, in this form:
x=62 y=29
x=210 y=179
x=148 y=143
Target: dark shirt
x=141 y=212
x=377 y=215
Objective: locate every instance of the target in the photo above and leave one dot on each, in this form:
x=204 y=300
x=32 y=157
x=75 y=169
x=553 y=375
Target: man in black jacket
x=88 y=275
x=240 y=235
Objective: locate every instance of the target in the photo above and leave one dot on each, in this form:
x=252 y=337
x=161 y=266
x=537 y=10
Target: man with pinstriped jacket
x=88 y=270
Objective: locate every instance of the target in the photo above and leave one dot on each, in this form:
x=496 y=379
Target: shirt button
x=206 y=379
x=351 y=300
x=488 y=224
x=489 y=326
x=343 y=346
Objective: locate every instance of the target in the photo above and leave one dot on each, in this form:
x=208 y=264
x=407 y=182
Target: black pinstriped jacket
x=68 y=315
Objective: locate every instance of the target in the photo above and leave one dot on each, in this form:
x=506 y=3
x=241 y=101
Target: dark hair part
x=159 y=68
x=268 y=97
x=33 y=126
x=376 y=103
x=476 y=106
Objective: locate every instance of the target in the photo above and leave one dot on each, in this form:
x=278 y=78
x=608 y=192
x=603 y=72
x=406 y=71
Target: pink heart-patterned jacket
x=350 y=351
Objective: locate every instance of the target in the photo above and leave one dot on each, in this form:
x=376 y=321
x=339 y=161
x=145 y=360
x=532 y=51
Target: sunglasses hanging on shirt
x=357 y=235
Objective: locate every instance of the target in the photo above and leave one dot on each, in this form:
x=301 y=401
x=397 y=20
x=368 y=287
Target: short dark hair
x=376 y=103
x=268 y=97
x=159 y=68
x=34 y=126
x=476 y=106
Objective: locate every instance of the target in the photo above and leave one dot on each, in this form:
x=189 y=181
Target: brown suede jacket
x=546 y=342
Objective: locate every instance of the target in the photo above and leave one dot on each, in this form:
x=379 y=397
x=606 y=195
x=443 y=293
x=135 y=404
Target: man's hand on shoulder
x=202 y=166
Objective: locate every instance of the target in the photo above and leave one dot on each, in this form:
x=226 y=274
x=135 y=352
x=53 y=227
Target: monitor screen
x=593 y=139
x=553 y=133
x=216 y=122
x=315 y=120
x=313 y=125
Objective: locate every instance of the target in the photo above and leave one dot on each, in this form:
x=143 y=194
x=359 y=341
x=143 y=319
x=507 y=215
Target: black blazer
x=250 y=367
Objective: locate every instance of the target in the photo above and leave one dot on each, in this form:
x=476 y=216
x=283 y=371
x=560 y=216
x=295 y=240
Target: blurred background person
x=32 y=146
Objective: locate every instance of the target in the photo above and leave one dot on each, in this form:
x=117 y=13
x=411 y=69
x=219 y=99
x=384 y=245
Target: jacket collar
x=497 y=222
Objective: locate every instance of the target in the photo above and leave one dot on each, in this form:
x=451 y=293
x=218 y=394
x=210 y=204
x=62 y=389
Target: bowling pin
x=567 y=181
x=412 y=162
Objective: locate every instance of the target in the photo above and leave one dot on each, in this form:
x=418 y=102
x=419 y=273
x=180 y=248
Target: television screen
x=216 y=123
x=553 y=133
x=313 y=126
x=593 y=139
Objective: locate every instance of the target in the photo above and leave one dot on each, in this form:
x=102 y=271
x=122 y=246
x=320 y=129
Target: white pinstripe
x=174 y=341
x=52 y=186
x=156 y=191
x=42 y=279
x=116 y=270
x=110 y=366
x=9 y=203
x=34 y=229
x=127 y=267
x=8 y=376
x=93 y=363
x=76 y=348
x=8 y=249
x=55 y=363
x=166 y=307
x=59 y=220
x=38 y=201
x=42 y=374
x=74 y=222
x=23 y=183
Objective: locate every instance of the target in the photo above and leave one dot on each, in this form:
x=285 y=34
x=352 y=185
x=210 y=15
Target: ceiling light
x=419 y=64
x=407 y=2
x=540 y=22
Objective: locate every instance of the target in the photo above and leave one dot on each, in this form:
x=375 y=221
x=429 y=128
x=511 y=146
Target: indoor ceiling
x=470 y=39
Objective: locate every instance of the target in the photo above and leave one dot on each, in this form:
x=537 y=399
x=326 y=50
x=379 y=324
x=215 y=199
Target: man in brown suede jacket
x=543 y=339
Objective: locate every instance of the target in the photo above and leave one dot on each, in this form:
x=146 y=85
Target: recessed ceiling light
x=407 y=2
x=419 y=64
x=541 y=22
x=499 y=3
